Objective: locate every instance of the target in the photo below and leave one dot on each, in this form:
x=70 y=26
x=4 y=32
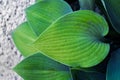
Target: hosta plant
x=60 y=42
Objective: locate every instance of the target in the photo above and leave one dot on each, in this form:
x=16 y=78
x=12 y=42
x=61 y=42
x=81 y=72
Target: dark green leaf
x=113 y=69
x=113 y=11
x=40 y=67
x=81 y=75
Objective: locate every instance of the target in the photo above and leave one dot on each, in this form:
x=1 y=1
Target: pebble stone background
x=11 y=15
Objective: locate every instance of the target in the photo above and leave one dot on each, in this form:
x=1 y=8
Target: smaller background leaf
x=40 y=67
x=42 y=14
x=113 y=12
x=22 y=37
x=113 y=67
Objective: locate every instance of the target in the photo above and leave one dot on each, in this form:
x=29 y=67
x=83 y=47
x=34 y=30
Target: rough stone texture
x=11 y=15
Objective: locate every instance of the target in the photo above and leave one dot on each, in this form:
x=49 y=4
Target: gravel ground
x=11 y=15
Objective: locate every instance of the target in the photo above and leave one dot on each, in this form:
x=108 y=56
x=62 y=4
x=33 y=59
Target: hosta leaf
x=75 y=39
x=45 y=12
x=22 y=37
x=81 y=75
x=113 y=11
x=113 y=68
x=40 y=16
x=86 y=4
x=40 y=67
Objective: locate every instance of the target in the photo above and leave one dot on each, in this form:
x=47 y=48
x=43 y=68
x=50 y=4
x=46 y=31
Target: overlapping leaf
x=39 y=16
x=75 y=39
x=113 y=69
x=44 y=13
x=113 y=11
x=40 y=67
x=23 y=36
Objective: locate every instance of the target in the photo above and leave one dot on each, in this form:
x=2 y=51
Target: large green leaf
x=75 y=39
x=40 y=16
x=45 y=12
x=81 y=75
x=40 y=67
x=22 y=37
x=113 y=68
x=113 y=11
x=87 y=4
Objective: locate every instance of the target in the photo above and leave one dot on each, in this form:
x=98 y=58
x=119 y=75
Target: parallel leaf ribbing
x=23 y=36
x=34 y=68
x=39 y=17
x=75 y=39
x=44 y=13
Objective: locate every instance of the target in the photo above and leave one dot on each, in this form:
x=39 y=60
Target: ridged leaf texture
x=54 y=39
x=75 y=39
x=39 y=17
x=40 y=67
x=44 y=13
x=113 y=12
x=23 y=35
